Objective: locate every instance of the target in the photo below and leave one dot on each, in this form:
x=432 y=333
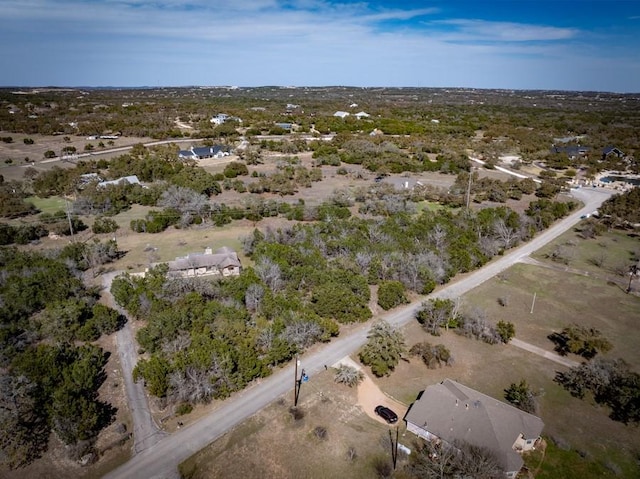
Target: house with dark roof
x=450 y=412
x=611 y=150
x=571 y=151
x=199 y=153
x=222 y=262
x=285 y=126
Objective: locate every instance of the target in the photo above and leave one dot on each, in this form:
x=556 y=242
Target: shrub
x=391 y=294
x=506 y=331
x=348 y=375
x=521 y=396
x=320 y=432
x=104 y=225
x=184 y=408
x=433 y=356
x=234 y=169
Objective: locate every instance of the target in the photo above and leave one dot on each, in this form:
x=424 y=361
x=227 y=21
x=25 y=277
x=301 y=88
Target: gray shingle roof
x=452 y=412
x=221 y=258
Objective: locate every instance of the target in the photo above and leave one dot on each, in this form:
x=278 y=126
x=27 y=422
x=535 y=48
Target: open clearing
x=271 y=444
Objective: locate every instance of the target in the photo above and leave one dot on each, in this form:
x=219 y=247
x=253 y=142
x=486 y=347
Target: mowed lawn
x=583 y=442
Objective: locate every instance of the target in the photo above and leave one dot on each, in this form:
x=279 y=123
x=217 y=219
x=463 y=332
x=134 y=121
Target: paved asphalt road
x=161 y=460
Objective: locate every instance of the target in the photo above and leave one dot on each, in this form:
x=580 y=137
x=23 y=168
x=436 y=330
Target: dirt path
x=370 y=395
x=544 y=353
x=146 y=432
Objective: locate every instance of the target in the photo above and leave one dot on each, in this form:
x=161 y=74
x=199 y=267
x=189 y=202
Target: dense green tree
x=611 y=382
x=506 y=330
x=103 y=225
x=383 y=349
x=521 y=396
x=577 y=339
x=391 y=294
x=155 y=372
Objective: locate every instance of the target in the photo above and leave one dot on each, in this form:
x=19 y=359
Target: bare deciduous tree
x=270 y=273
x=302 y=333
x=507 y=235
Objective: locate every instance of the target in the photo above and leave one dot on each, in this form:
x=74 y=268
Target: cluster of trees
x=433 y=356
x=581 y=340
x=287 y=180
x=49 y=379
x=12 y=200
x=205 y=339
x=610 y=382
x=437 y=313
x=21 y=234
x=622 y=210
x=307 y=279
x=450 y=461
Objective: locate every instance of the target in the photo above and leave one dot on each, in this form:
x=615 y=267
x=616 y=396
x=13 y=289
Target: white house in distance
x=361 y=114
x=199 y=153
x=341 y=114
x=222 y=262
x=221 y=118
x=449 y=411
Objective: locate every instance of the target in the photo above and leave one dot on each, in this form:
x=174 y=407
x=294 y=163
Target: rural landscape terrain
x=226 y=282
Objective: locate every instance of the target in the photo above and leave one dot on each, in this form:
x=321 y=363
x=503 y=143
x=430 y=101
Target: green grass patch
x=431 y=206
x=47 y=205
x=556 y=462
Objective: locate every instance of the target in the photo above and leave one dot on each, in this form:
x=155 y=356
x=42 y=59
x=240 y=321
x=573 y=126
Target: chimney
x=208 y=251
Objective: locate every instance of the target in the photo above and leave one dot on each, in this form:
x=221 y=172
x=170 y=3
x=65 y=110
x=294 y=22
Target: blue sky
x=513 y=44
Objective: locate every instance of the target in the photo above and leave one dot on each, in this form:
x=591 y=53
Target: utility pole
x=533 y=303
x=298 y=382
x=295 y=383
x=394 y=447
x=469 y=187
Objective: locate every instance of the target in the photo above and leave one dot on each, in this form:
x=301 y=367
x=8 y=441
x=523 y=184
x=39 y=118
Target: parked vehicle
x=386 y=414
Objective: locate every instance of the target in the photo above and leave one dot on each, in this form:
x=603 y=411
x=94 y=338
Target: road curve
x=161 y=461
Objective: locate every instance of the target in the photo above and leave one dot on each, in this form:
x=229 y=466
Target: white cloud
x=481 y=30
x=304 y=42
